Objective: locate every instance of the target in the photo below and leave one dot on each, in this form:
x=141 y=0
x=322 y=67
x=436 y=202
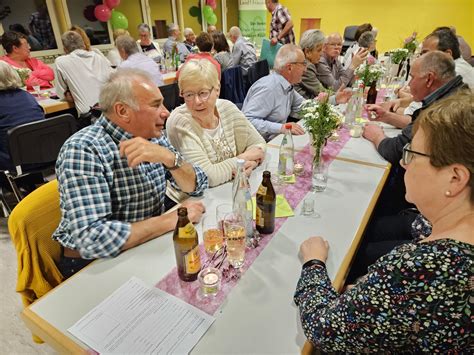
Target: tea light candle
x=210 y=281
x=355 y=131
x=298 y=168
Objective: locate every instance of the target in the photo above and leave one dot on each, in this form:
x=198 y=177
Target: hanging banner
x=253 y=20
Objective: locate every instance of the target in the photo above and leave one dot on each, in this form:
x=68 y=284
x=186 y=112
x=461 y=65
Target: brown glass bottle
x=372 y=94
x=266 y=202
x=186 y=247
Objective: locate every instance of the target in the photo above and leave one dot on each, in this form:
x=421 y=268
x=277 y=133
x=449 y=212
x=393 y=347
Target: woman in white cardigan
x=211 y=132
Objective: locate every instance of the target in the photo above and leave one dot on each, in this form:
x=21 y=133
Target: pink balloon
x=212 y=3
x=102 y=13
x=111 y=4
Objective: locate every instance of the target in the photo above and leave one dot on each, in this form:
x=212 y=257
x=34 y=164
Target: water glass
x=212 y=235
x=320 y=177
x=235 y=237
x=307 y=209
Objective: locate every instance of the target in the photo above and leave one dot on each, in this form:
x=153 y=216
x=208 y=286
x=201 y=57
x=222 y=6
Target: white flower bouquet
x=369 y=73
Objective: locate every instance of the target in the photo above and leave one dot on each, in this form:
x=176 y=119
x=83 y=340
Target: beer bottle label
x=259 y=220
x=187 y=231
x=192 y=261
x=262 y=190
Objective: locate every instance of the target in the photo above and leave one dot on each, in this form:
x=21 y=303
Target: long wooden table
x=52 y=106
x=259 y=315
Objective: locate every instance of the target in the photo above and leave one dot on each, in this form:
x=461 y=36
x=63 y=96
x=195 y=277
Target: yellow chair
x=31 y=224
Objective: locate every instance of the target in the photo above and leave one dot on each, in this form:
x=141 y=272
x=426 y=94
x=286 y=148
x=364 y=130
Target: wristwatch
x=178 y=162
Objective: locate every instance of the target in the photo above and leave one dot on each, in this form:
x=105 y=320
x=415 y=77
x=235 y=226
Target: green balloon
x=118 y=20
x=194 y=11
x=207 y=11
x=212 y=20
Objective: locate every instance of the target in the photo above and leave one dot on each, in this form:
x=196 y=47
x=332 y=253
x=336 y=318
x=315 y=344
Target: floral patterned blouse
x=418 y=297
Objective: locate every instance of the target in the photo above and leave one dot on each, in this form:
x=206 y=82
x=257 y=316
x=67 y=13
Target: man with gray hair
x=80 y=74
x=189 y=39
x=433 y=77
x=243 y=52
x=173 y=37
x=331 y=73
x=271 y=99
x=132 y=58
x=113 y=175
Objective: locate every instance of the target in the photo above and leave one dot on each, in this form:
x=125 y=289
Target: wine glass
x=212 y=235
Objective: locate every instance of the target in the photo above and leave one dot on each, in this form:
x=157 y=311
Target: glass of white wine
x=235 y=235
x=212 y=235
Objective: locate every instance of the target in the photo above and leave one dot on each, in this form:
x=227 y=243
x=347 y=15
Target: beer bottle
x=186 y=247
x=266 y=202
x=372 y=94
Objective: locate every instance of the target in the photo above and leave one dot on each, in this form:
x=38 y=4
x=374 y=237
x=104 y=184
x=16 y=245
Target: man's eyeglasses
x=335 y=44
x=304 y=62
x=203 y=95
x=408 y=154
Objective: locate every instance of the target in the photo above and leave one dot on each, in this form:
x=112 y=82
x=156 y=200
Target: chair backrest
x=40 y=141
x=257 y=71
x=171 y=96
x=349 y=34
x=233 y=85
x=31 y=224
x=269 y=52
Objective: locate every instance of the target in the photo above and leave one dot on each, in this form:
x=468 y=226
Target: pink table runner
x=189 y=291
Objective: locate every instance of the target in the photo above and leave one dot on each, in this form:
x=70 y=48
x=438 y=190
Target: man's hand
x=359 y=58
x=139 y=150
x=253 y=154
x=343 y=95
x=376 y=112
x=373 y=133
x=296 y=129
x=314 y=248
x=274 y=41
x=195 y=210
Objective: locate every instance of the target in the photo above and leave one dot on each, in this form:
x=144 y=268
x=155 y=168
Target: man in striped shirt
x=113 y=175
x=281 y=27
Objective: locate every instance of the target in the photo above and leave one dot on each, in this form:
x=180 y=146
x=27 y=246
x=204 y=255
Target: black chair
x=34 y=147
x=233 y=85
x=349 y=37
x=256 y=71
x=171 y=96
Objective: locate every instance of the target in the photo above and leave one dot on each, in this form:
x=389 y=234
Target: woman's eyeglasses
x=203 y=95
x=408 y=154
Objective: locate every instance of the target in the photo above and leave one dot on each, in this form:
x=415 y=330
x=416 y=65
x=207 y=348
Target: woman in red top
x=18 y=56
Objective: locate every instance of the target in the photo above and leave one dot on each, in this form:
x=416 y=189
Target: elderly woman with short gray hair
x=211 y=132
x=146 y=45
x=17 y=107
x=311 y=44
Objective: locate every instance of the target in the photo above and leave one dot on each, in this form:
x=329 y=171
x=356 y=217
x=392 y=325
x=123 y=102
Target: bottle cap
x=240 y=162
x=266 y=174
x=288 y=125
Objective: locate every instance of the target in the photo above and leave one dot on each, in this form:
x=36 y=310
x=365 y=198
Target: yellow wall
x=232 y=13
x=161 y=10
x=190 y=21
x=133 y=11
x=395 y=20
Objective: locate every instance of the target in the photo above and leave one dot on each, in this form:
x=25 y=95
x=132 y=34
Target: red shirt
x=40 y=72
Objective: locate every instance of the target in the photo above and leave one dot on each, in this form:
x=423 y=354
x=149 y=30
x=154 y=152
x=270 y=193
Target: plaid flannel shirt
x=100 y=195
x=280 y=16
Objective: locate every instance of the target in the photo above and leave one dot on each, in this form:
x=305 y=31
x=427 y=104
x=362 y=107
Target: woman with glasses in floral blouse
x=211 y=132
x=418 y=297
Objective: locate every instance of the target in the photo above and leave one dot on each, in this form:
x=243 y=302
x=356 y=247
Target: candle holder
x=298 y=168
x=210 y=281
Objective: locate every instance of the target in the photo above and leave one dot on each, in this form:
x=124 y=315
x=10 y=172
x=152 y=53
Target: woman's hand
x=254 y=154
x=249 y=166
x=314 y=248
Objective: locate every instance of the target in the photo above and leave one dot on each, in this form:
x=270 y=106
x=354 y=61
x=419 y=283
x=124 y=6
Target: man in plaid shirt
x=281 y=28
x=113 y=174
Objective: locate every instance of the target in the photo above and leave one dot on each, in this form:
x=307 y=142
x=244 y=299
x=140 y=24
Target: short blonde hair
x=198 y=71
x=120 y=32
x=9 y=78
x=448 y=126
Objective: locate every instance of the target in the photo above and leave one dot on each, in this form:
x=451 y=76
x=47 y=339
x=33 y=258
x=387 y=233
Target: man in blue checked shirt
x=112 y=175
